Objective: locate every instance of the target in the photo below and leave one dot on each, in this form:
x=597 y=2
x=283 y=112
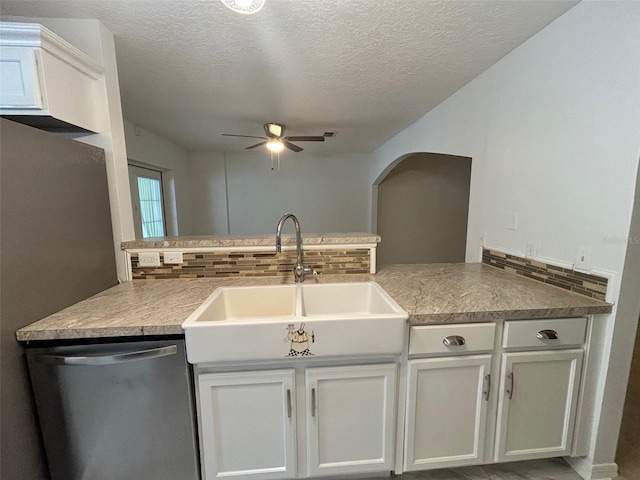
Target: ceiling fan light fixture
x=275 y=145
x=245 y=7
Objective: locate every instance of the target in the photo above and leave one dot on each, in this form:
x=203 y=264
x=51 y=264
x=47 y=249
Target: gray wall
x=327 y=193
x=56 y=248
x=423 y=205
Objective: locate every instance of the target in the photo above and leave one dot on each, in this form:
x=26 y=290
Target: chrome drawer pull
x=313 y=402
x=547 y=335
x=453 y=341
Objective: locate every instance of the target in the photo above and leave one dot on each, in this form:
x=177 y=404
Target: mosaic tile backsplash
x=586 y=284
x=254 y=264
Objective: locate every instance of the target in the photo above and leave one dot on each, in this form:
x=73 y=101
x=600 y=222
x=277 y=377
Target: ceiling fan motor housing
x=274 y=129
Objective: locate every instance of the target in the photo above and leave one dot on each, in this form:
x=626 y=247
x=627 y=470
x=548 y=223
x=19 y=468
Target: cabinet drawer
x=543 y=334
x=451 y=339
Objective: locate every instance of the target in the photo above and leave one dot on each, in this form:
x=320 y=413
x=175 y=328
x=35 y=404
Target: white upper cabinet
x=45 y=81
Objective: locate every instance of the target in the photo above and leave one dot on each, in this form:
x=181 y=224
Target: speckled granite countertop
x=266 y=240
x=435 y=293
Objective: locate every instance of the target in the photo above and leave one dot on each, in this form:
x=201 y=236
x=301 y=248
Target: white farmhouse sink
x=303 y=320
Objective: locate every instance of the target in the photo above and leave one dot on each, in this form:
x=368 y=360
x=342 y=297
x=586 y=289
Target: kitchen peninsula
x=487 y=317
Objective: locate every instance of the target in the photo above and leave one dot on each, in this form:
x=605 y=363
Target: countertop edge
x=430 y=293
x=500 y=315
x=267 y=240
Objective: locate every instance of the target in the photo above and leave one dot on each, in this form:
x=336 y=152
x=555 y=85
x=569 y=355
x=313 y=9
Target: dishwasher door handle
x=109 y=359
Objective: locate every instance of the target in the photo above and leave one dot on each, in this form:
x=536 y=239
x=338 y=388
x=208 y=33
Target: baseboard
x=591 y=471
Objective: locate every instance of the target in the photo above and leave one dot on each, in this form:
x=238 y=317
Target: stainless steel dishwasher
x=116 y=411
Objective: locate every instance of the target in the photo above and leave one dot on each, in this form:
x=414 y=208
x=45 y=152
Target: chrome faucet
x=299 y=270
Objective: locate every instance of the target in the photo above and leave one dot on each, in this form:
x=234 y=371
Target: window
x=150 y=195
x=148 y=205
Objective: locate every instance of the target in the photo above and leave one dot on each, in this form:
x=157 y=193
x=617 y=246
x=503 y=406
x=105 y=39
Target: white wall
x=327 y=194
x=147 y=148
x=552 y=129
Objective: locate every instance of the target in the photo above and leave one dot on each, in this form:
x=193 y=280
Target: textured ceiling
x=191 y=70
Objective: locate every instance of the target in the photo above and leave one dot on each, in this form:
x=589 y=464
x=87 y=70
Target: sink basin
x=303 y=320
x=346 y=299
x=243 y=304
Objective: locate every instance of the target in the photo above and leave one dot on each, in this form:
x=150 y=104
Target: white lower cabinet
x=446 y=411
x=250 y=426
x=453 y=417
x=247 y=424
x=537 y=404
x=350 y=420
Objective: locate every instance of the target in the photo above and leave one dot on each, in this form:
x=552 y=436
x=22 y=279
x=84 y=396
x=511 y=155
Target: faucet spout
x=299 y=269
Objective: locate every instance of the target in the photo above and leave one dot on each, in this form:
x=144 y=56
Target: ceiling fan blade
x=312 y=138
x=243 y=136
x=291 y=146
x=255 y=146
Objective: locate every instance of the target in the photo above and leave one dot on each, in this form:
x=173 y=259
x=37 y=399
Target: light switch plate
x=172 y=258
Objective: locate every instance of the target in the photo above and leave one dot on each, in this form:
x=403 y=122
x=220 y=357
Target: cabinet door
x=20 y=73
x=536 y=411
x=247 y=424
x=446 y=411
x=350 y=419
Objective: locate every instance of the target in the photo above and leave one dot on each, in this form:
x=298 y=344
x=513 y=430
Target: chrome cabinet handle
x=510 y=389
x=110 y=359
x=487 y=386
x=289 y=402
x=313 y=402
x=454 y=341
x=547 y=335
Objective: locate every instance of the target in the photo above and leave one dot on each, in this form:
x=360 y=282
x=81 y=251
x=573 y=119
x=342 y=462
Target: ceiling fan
x=275 y=141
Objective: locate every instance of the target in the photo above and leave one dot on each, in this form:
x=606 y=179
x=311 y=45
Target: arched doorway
x=422 y=209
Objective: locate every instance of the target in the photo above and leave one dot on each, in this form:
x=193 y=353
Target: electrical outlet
x=172 y=258
x=583 y=259
x=149 y=259
x=483 y=239
x=532 y=250
x=512 y=221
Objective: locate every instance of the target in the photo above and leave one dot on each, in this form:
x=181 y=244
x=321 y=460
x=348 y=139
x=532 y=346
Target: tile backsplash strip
x=592 y=286
x=256 y=263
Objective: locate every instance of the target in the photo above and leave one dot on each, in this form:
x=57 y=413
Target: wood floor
x=628 y=455
x=548 y=469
